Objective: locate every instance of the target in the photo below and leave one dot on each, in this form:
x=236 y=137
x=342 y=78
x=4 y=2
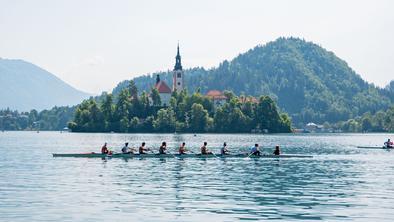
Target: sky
x=94 y=44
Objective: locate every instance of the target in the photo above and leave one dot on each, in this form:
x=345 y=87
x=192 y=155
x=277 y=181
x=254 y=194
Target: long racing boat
x=375 y=147
x=121 y=155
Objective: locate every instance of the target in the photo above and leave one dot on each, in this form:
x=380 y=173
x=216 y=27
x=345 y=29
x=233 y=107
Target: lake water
x=341 y=182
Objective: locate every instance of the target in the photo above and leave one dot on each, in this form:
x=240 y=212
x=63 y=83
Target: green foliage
x=381 y=121
x=186 y=113
x=307 y=81
x=165 y=121
x=54 y=119
x=199 y=118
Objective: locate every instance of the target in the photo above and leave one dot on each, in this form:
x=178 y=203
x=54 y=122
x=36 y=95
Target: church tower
x=178 y=74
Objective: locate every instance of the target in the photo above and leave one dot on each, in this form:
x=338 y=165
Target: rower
x=182 y=149
x=104 y=149
x=142 y=149
x=255 y=150
x=126 y=149
x=388 y=144
x=224 y=150
x=163 y=148
x=277 y=150
x=204 y=149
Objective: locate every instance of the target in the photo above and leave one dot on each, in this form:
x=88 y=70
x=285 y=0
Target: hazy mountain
x=308 y=82
x=24 y=86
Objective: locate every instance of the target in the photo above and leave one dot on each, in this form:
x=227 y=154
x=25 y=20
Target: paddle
x=168 y=151
x=249 y=155
x=214 y=154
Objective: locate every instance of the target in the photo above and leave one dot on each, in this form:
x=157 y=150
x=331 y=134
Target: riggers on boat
x=130 y=155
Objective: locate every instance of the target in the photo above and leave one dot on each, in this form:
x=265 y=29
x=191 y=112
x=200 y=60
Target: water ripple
x=340 y=183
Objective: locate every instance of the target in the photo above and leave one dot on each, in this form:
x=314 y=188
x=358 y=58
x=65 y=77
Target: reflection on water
x=339 y=183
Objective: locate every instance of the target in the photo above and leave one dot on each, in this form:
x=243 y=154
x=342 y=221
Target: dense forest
x=307 y=81
x=381 y=121
x=53 y=119
x=133 y=112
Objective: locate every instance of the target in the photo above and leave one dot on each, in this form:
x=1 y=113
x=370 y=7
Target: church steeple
x=178 y=81
x=178 y=65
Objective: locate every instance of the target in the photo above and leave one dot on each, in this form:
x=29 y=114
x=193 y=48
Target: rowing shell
x=375 y=147
x=121 y=155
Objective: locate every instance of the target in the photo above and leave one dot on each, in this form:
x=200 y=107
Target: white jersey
x=125 y=149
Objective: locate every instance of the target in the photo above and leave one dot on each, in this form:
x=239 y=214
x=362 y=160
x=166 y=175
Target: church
x=178 y=82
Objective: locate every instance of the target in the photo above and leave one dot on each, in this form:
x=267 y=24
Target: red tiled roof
x=216 y=94
x=162 y=87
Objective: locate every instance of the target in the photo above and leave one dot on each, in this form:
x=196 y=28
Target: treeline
x=381 y=121
x=308 y=82
x=131 y=112
x=54 y=119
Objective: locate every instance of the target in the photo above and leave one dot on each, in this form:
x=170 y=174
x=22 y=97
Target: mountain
x=25 y=86
x=307 y=81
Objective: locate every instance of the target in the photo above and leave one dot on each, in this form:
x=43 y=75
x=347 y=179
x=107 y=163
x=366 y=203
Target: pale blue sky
x=95 y=44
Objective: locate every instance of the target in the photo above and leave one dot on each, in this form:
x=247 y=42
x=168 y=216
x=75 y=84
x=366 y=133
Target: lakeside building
x=178 y=83
x=218 y=98
x=178 y=80
x=164 y=91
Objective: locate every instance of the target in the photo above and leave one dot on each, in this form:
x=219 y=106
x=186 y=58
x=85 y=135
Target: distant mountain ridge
x=25 y=86
x=309 y=82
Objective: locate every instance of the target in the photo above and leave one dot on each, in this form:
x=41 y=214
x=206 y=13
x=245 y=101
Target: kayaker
x=126 y=149
x=388 y=144
x=104 y=149
x=182 y=149
x=163 y=148
x=277 y=150
x=224 y=150
x=255 y=150
x=204 y=149
x=142 y=149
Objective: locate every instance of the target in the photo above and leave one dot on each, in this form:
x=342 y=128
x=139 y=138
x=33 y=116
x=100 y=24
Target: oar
x=168 y=151
x=250 y=154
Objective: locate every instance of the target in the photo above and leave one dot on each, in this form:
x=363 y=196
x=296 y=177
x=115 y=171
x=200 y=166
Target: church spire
x=178 y=65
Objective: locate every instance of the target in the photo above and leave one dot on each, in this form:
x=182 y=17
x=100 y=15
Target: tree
x=155 y=97
x=107 y=108
x=198 y=121
x=165 y=121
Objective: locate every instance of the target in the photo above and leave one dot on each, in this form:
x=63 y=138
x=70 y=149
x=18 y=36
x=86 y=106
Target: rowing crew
x=255 y=150
x=388 y=144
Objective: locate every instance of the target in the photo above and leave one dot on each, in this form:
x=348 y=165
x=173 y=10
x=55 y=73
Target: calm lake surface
x=341 y=182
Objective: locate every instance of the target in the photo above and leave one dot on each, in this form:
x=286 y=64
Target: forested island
x=193 y=113
x=306 y=81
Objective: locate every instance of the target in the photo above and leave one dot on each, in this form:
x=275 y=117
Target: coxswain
x=104 y=149
x=142 y=149
x=126 y=149
x=277 y=150
x=204 y=149
x=163 y=148
x=255 y=150
x=388 y=144
x=182 y=149
x=224 y=150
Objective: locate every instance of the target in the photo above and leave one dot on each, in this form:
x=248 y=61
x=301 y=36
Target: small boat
x=121 y=155
x=375 y=147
